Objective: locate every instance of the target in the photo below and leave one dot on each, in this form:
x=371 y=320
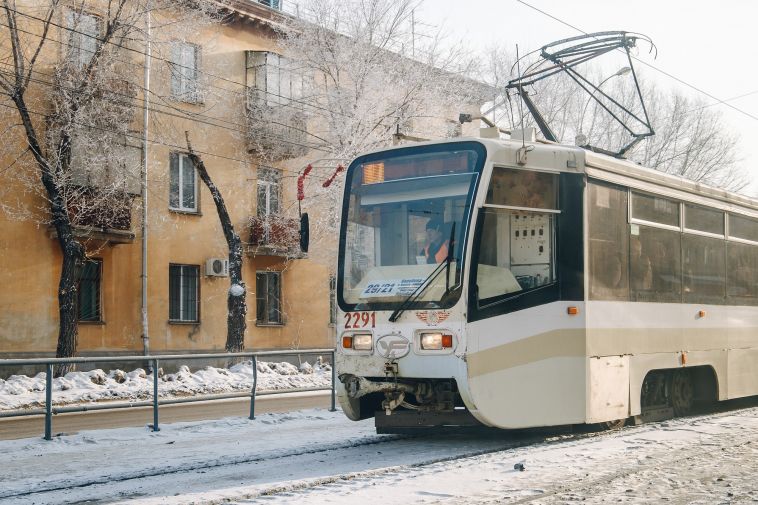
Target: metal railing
x=154 y=360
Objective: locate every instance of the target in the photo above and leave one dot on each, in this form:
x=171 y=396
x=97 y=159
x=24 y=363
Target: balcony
x=275 y=131
x=100 y=217
x=275 y=235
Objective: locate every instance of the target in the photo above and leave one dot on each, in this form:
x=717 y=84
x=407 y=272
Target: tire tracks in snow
x=545 y=441
x=153 y=472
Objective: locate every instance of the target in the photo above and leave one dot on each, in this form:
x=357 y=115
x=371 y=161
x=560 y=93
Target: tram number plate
x=360 y=320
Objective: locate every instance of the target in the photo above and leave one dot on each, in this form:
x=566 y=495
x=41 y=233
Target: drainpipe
x=145 y=123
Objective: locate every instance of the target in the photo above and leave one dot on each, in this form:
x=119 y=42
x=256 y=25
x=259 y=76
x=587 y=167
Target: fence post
x=155 y=396
x=334 y=385
x=49 y=402
x=255 y=384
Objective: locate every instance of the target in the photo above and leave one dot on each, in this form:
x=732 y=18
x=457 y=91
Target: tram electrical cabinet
x=530 y=249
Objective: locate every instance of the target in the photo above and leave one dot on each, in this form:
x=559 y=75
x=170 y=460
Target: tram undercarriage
x=406 y=405
x=410 y=405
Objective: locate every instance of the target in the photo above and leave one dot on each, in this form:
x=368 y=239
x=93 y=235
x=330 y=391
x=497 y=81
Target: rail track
x=374 y=457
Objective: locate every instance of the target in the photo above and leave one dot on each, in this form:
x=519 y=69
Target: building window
x=84 y=31
x=183 y=291
x=268 y=191
x=268 y=297
x=185 y=64
x=274 y=4
x=273 y=79
x=89 y=291
x=332 y=299
x=183 y=184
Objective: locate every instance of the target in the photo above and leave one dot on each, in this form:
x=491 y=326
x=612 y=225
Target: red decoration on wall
x=301 y=183
x=330 y=180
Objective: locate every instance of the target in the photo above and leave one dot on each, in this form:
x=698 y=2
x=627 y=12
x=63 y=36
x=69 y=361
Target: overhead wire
x=170 y=62
x=194 y=69
x=194 y=114
x=667 y=74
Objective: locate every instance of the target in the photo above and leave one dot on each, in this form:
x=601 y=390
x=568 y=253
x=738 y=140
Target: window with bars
x=183 y=184
x=268 y=298
x=89 y=291
x=269 y=188
x=332 y=299
x=185 y=64
x=84 y=31
x=183 y=293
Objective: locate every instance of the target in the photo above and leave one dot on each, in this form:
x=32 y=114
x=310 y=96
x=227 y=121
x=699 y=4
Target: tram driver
x=437 y=244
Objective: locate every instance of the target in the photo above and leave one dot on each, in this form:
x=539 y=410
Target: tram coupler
x=393 y=399
x=359 y=386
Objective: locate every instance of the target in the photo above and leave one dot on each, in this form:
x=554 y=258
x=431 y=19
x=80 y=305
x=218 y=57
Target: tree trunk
x=72 y=250
x=236 y=298
x=73 y=253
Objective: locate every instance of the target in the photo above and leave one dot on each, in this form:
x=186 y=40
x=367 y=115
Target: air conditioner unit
x=217 y=267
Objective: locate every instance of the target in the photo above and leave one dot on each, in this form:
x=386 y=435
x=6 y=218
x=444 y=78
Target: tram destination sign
x=391 y=287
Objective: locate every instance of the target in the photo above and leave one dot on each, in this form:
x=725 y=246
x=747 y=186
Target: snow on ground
x=21 y=391
x=316 y=456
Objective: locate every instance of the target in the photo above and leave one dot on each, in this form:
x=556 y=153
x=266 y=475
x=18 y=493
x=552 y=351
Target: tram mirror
x=304 y=232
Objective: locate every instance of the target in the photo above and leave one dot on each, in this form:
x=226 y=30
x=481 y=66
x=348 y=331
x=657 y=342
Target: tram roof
x=551 y=156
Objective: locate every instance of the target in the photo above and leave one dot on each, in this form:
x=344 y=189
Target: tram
x=516 y=283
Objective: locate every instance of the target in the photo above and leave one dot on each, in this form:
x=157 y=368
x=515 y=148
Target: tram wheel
x=612 y=425
x=682 y=392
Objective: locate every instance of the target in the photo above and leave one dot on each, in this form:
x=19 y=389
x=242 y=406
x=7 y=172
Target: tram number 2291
x=355 y=320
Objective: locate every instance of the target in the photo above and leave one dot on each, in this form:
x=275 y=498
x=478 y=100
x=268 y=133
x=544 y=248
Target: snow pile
x=21 y=391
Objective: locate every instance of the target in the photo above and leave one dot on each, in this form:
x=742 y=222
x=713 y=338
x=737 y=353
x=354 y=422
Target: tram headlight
x=363 y=342
x=436 y=341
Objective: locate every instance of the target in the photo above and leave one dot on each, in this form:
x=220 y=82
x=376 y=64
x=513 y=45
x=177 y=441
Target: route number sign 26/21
x=355 y=320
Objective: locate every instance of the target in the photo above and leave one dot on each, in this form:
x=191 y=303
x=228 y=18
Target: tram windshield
x=408 y=213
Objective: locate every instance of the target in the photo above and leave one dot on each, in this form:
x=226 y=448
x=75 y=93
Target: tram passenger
x=437 y=244
x=641 y=268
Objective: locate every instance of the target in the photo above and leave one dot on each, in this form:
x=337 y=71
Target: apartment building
x=203 y=87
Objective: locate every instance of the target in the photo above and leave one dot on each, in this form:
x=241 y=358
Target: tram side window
x=742 y=261
x=703 y=219
x=655 y=209
x=523 y=188
x=655 y=267
x=743 y=227
x=608 y=242
x=704 y=266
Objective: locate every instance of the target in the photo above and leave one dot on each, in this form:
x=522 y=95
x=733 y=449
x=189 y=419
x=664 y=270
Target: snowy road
x=23 y=427
x=319 y=457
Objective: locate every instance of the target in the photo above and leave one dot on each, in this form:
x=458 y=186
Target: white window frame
x=182 y=158
x=80 y=35
x=270 y=187
x=185 y=79
x=266 y=321
x=274 y=79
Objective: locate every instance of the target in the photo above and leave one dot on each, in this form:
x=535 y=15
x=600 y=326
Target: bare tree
x=691 y=139
x=367 y=74
x=66 y=69
x=237 y=306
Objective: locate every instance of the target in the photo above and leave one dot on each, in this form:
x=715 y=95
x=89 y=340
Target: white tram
x=572 y=288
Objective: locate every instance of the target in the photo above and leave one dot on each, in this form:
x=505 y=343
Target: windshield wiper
x=428 y=280
x=449 y=258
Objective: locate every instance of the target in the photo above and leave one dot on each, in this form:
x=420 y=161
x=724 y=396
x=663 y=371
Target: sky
x=709 y=46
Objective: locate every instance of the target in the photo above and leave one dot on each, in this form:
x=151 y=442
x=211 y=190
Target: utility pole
x=413 y=33
x=145 y=145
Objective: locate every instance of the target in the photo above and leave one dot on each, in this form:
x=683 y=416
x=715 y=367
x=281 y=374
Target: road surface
x=24 y=427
